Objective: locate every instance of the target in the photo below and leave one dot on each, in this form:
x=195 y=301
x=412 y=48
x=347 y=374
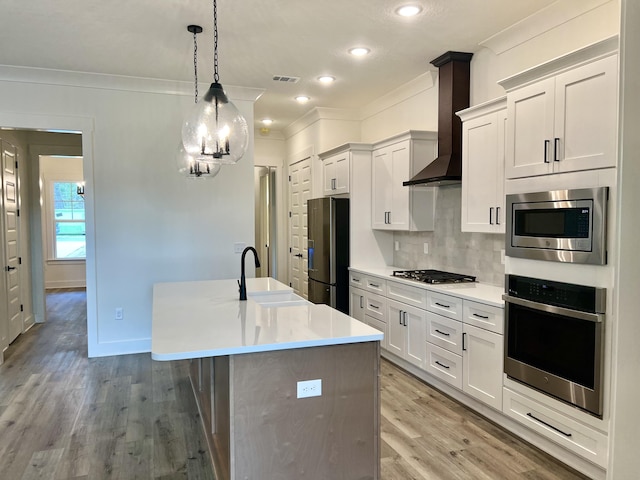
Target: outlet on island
x=119 y=313
x=310 y=388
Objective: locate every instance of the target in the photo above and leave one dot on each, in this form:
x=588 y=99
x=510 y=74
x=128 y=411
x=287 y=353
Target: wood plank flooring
x=65 y=416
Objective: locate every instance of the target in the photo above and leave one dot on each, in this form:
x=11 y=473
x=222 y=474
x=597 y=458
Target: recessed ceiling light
x=359 y=51
x=302 y=99
x=267 y=121
x=326 y=79
x=408 y=10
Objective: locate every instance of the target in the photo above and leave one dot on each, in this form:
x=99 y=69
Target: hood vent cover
x=453 y=96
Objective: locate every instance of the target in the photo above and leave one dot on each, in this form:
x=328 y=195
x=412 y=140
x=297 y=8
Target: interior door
x=299 y=193
x=10 y=239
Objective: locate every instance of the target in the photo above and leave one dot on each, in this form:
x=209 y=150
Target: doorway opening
x=266 y=221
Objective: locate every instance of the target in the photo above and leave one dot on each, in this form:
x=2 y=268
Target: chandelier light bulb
x=190 y=167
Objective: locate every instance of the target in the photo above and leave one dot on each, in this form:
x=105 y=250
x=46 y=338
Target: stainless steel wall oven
x=555 y=339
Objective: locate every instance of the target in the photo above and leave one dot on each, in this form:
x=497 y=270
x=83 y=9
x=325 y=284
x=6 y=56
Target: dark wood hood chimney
x=453 y=96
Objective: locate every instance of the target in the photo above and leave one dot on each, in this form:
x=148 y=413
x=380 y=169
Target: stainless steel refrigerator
x=328 y=251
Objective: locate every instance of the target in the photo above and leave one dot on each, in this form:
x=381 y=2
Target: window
x=68 y=221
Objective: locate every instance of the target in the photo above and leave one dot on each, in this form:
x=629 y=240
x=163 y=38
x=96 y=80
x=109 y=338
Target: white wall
x=58 y=273
x=145 y=224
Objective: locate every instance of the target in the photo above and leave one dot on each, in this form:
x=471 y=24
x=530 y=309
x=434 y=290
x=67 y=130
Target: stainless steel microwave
x=559 y=226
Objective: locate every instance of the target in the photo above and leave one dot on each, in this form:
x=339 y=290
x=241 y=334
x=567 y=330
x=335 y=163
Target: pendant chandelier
x=188 y=165
x=215 y=132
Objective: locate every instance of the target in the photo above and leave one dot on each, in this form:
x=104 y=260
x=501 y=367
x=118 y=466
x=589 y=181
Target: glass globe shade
x=215 y=132
x=190 y=167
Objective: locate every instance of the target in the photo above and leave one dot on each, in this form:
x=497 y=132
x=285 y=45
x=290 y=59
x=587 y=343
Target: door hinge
x=21 y=308
x=19 y=260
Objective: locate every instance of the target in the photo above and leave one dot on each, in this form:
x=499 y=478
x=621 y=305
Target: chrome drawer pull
x=442 y=365
x=442 y=305
x=443 y=333
x=480 y=316
x=548 y=425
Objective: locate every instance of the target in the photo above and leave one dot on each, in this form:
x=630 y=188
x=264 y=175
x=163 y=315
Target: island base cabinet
x=260 y=429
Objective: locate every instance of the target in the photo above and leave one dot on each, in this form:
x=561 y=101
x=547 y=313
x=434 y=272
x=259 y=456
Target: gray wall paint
x=450 y=249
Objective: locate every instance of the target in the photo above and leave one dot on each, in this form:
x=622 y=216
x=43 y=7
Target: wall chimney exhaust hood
x=453 y=96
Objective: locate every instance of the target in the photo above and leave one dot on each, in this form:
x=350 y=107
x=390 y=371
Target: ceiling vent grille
x=286 y=79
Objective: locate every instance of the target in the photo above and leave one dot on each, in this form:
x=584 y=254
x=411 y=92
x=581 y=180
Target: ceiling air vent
x=286 y=79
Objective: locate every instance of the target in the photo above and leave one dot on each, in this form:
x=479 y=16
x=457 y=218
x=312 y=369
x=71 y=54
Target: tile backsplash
x=450 y=249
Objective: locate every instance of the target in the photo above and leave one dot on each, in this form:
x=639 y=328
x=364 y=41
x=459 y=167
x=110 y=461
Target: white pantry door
x=10 y=239
x=299 y=193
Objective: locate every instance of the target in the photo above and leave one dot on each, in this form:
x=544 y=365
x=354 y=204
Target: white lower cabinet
x=407 y=329
x=575 y=436
x=482 y=365
x=369 y=308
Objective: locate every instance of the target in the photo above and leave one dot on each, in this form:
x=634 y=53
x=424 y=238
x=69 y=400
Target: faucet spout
x=243 y=281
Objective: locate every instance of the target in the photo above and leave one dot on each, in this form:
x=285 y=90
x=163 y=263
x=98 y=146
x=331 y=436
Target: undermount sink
x=277 y=299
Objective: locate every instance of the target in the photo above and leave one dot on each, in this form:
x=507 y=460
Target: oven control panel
x=567 y=295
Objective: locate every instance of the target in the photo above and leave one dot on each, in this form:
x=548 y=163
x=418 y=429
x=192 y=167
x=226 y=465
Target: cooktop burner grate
x=433 y=276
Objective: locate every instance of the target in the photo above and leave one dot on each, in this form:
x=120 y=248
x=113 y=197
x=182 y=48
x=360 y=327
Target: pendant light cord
x=216 y=77
x=195 y=65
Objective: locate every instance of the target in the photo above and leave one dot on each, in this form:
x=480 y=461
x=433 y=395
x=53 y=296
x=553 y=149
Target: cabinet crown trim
x=409 y=135
x=481 y=109
x=603 y=48
x=352 y=146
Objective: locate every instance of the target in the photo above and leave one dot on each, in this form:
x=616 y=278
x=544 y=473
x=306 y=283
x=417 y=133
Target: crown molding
x=540 y=22
x=44 y=76
x=319 y=113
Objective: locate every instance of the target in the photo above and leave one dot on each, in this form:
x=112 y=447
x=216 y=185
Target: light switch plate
x=238 y=247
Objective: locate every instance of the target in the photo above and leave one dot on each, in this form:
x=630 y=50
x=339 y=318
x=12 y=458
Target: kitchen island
x=251 y=363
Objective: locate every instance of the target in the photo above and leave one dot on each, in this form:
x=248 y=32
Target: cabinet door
x=586 y=106
x=382 y=180
x=415 y=323
x=530 y=113
x=480 y=175
x=356 y=303
x=397 y=331
x=342 y=173
x=482 y=367
x=401 y=168
x=328 y=175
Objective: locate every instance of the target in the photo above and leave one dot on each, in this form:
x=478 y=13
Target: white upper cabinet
x=567 y=120
x=483 y=155
x=396 y=160
x=337 y=166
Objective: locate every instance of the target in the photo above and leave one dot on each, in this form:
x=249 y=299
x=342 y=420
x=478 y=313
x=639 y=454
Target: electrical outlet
x=426 y=248
x=238 y=247
x=119 y=313
x=396 y=245
x=310 y=388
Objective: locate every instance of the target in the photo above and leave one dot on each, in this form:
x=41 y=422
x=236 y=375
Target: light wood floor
x=65 y=416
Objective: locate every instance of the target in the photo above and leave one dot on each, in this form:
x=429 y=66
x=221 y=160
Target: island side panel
x=331 y=437
x=221 y=437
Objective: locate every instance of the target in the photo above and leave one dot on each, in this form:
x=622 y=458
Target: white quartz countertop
x=478 y=292
x=206 y=319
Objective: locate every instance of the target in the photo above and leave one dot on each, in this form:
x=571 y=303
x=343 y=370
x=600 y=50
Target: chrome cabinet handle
x=556 y=141
x=374 y=285
x=442 y=365
x=9 y=268
x=443 y=333
x=546 y=148
x=374 y=306
x=400 y=317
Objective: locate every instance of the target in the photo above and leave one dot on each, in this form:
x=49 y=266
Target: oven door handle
x=567 y=312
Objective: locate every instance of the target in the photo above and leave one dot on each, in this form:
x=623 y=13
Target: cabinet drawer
x=575 y=436
x=375 y=306
x=357 y=279
x=414 y=296
x=444 y=332
x=483 y=316
x=444 y=365
x=445 y=305
x=375 y=285
x=378 y=325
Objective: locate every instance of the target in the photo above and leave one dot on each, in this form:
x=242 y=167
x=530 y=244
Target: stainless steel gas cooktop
x=433 y=276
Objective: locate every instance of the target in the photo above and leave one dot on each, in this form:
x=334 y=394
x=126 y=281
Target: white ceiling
x=257 y=39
